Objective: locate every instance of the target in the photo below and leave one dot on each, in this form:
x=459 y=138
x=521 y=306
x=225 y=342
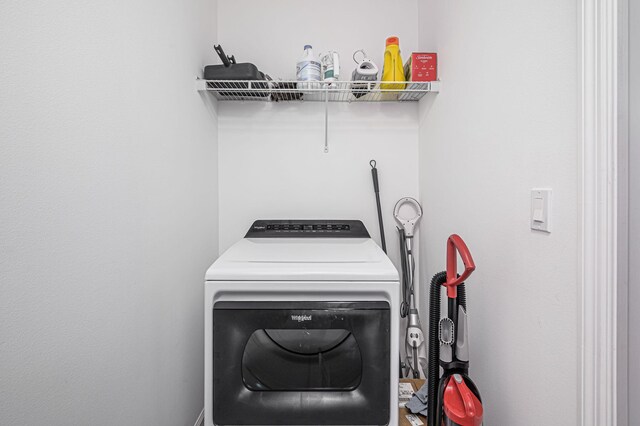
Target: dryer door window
x=301 y=360
x=301 y=363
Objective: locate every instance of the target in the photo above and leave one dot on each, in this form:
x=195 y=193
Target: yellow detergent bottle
x=393 y=69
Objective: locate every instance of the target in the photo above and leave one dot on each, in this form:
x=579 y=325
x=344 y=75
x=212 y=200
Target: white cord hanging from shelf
x=326 y=122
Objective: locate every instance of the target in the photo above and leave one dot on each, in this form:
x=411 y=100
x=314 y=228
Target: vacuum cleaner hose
x=462 y=296
x=404 y=305
x=433 y=368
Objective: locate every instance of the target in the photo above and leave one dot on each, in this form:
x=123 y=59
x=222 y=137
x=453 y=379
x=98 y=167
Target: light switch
x=538 y=209
x=541 y=209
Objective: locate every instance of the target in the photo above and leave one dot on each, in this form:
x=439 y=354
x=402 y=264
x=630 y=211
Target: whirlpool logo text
x=301 y=318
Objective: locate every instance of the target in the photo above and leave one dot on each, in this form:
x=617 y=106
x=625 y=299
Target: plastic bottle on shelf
x=330 y=68
x=308 y=70
x=393 y=69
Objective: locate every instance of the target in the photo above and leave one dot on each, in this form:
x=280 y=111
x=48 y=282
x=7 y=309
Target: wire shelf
x=317 y=91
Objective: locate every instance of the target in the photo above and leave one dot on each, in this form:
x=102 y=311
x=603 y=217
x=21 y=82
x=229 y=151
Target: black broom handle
x=376 y=188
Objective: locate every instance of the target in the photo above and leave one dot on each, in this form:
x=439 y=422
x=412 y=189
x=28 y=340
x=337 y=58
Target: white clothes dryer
x=301 y=328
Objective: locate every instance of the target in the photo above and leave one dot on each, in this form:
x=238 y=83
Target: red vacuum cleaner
x=453 y=397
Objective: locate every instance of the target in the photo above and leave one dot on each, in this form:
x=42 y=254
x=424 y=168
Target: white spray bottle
x=330 y=68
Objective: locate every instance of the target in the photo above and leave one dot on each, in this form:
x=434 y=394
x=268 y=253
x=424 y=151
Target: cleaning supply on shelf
x=330 y=68
x=419 y=70
x=421 y=67
x=308 y=70
x=393 y=70
x=366 y=71
x=231 y=79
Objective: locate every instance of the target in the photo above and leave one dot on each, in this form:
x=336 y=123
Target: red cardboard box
x=422 y=67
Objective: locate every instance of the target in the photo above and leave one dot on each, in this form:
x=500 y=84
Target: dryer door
x=301 y=363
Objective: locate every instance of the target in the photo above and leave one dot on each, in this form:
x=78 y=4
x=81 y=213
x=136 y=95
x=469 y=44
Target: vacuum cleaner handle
x=455 y=246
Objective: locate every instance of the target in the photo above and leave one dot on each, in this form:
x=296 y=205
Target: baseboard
x=200 y=420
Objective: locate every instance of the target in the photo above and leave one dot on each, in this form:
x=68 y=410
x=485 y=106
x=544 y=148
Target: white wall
x=272 y=163
x=272 y=34
x=633 y=300
x=505 y=122
x=108 y=210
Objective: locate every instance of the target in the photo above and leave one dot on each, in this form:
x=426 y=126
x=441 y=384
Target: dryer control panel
x=307 y=229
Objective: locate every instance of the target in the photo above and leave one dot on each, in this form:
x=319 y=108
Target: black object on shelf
x=285 y=91
x=231 y=71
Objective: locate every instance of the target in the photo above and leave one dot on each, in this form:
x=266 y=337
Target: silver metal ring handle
x=408 y=213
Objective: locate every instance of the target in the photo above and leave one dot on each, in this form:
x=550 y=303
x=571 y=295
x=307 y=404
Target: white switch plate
x=541 y=209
